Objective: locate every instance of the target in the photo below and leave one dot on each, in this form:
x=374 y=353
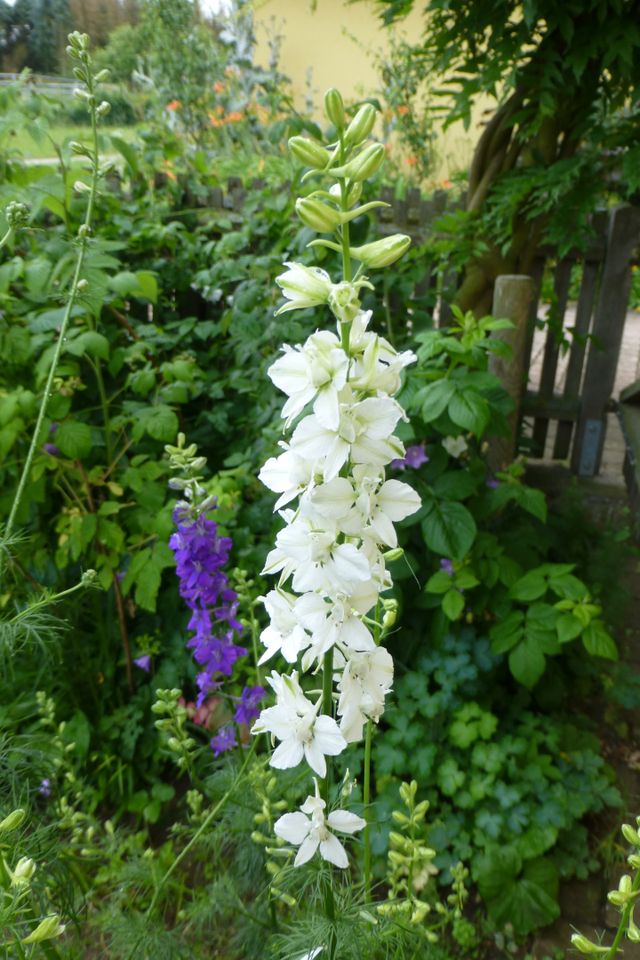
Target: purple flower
x=225 y=739
x=248 y=705
x=144 y=662
x=45 y=787
x=446 y=566
x=200 y=555
x=414 y=457
x=492 y=483
x=51 y=449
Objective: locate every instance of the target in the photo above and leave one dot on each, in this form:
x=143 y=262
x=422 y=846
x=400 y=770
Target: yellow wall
x=323 y=39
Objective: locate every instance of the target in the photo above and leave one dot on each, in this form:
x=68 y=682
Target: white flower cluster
x=339 y=512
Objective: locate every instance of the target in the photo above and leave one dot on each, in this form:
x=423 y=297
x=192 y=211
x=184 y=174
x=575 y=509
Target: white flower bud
x=14 y=820
x=47 y=929
x=382 y=253
x=24 y=870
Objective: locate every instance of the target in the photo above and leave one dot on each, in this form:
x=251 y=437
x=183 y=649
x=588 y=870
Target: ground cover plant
x=140 y=416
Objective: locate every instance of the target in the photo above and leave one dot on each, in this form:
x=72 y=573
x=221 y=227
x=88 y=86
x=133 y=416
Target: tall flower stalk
x=327 y=613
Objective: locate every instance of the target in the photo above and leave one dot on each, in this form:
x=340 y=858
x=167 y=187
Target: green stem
x=83 y=240
x=104 y=406
x=45 y=602
x=327 y=709
x=366 y=788
x=624 y=919
x=194 y=839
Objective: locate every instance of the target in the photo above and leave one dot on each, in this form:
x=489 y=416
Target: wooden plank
x=551 y=352
x=608 y=326
x=584 y=311
x=555 y=407
x=536 y=275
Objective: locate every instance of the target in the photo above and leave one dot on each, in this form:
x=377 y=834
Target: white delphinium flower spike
x=295 y=722
x=309 y=830
x=285 y=633
x=364 y=684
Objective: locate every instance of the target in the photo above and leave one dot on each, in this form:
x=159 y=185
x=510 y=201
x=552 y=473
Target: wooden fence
x=566 y=402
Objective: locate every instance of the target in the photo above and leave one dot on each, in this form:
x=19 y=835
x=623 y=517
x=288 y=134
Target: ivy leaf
x=448 y=528
x=73 y=439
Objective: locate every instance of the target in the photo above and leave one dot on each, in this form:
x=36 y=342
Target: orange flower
x=412 y=160
x=445 y=184
x=403 y=111
x=174 y=105
x=219 y=86
x=234 y=117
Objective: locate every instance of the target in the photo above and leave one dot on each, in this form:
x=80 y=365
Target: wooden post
x=608 y=326
x=511 y=301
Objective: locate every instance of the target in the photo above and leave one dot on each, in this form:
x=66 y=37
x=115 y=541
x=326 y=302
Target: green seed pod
x=382 y=253
x=364 y=165
x=14 y=820
x=317 y=215
x=361 y=125
x=334 y=108
x=309 y=152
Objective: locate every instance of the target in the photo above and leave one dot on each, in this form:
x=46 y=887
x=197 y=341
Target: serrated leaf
x=530 y=587
x=568 y=627
x=435 y=398
x=438 y=582
x=448 y=528
x=453 y=604
x=598 y=642
x=160 y=422
x=73 y=439
x=507 y=634
x=527 y=662
x=470 y=411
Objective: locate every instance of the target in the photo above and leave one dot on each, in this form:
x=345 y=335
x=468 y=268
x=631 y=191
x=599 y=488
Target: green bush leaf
x=73 y=439
x=448 y=528
x=160 y=422
x=435 y=399
x=453 y=604
x=530 y=587
x=470 y=411
x=527 y=662
x=507 y=634
x=598 y=642
x=568 y=627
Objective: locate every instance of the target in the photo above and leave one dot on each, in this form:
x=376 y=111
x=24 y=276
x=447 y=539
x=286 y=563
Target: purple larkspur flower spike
x=248 y=706
x=225 y=739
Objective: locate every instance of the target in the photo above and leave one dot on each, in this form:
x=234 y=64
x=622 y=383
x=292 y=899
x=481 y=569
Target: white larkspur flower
x=364 y=434
x=303 y=286
x=331 y=622
x=315 y=559
x=289 y=475
x=295 y=722
x=378 y=507
x=364 y=684
x=285 y=634
x=316 y=370
x=309 y=830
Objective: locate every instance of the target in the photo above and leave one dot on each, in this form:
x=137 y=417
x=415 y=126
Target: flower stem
x=73 y=294
x=185 y=850
x=624 y=920
x=367 y=799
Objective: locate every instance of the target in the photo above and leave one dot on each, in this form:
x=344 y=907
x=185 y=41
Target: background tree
x=565 y=79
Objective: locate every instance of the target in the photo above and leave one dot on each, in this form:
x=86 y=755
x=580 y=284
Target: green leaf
x=470 y=411
x=507 y=634
x=453 y=604
x=127 y=151
x=73 y=439
x=91 y=342
x=530 y=587
x=568 y=627
x=160 y=422
x=598 y=642
x=436 y=397
x=527 y=662
x=455 y=485
x=534 y=502
x=568 y=587
x=438 y=582
x=448 y=528
x=450 y=777
x=495 y=870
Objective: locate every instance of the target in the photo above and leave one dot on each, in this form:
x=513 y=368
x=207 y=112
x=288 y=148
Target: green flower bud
x=382 y=253
x=16 y=213
x=47 y=929
x=24 y=870
x=102 y=76
x=317 y=215
x=364 y=165
x=361 y=125
x=310 y=152
x=586 y=946
x=344 y=301
x=334 y=108
x=631 y=836
x=14 y=820
x=391 y=555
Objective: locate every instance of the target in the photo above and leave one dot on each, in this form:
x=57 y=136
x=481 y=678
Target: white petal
x=398 y=500
x=326 y=734
x=292 y=827
x=327 y=408
x=306 y=851
x=288 y=754
x=383 y=529
x=356 y=636
x=315 y=758
x=290 y=373
x=345 y=822
x=332 y=850
x=333 y=499
x=350 y=565
x=335 y=456
x=380 y=415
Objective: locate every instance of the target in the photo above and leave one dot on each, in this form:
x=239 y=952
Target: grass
x=39 y=149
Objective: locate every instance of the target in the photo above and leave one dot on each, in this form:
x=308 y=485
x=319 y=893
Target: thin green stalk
x=366 y=790
x=104 y=407
x=45 y=602
x=83 y=234
x=624 y=919
x=327 y=709
x=194 y=839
